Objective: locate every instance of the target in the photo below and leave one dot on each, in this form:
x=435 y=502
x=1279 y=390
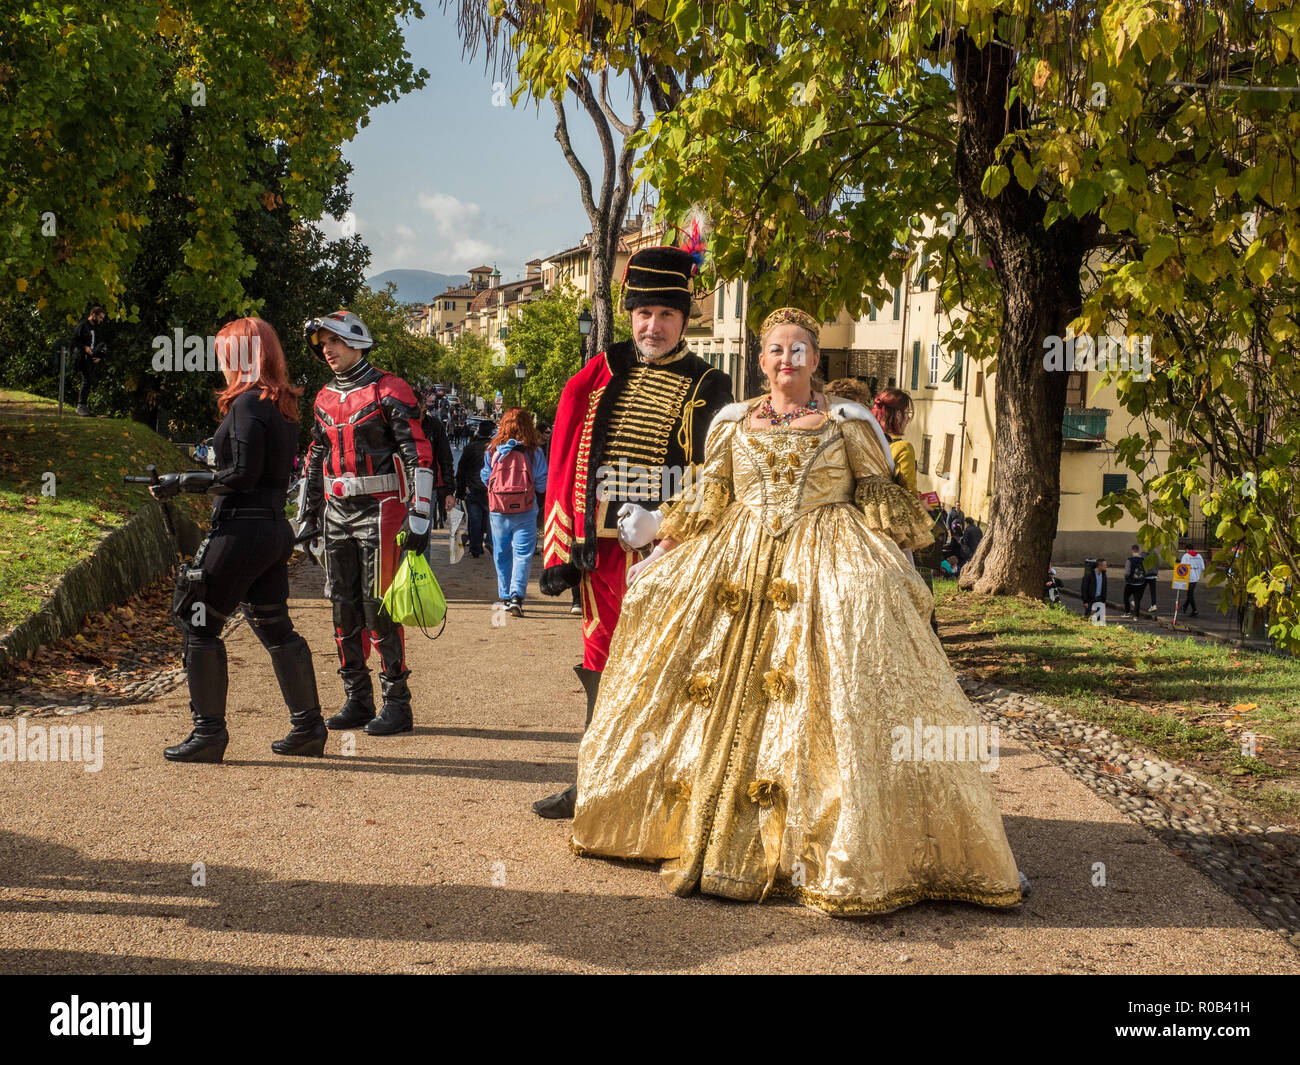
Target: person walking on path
x=88 y=351
x=514 y=469
x=1135 y=582
x=471 y=490
x=369 y=476
x=1094 y=589
x=1194 y=560
x=444 y=472
x=244 y=559
x=1151 y=563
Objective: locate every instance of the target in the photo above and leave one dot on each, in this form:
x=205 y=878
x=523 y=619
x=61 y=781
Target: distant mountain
x=417 y=286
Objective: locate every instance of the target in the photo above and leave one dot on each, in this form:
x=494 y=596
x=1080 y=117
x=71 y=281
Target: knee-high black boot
x=359 y=705
x=205 y=672
x=562 y=804
x=293 y=669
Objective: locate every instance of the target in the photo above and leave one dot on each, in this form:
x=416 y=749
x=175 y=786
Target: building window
x=923 y=466
x=897 y=305
x=956 y=363
x=1076 y=389
x=1113 y=482
x=974 y=464
x=916 y=365
x=871 y=310
x=740 y=292
x=934 y=362
x=979 y=383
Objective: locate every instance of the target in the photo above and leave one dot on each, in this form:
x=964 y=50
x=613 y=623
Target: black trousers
x=244 y=562
x=87 y=380
x=360 y=559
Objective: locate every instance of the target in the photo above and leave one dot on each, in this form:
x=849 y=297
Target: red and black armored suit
x=368 y=458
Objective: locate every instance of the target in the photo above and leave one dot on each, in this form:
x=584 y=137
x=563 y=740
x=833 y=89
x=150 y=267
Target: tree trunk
x=754 y=383
x=1039 y=274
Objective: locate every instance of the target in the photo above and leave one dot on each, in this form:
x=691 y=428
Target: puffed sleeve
x=888 y=507
x=700 y=503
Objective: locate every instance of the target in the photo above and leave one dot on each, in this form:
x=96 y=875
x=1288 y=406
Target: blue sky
x=444 y=181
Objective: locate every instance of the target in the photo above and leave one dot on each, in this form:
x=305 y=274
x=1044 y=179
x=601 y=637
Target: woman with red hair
x=514 y=470
x=244 y=559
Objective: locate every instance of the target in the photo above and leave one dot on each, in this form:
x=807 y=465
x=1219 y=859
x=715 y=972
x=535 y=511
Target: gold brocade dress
x=745 y=729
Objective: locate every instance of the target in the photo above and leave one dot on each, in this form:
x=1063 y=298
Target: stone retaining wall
x=126 y=560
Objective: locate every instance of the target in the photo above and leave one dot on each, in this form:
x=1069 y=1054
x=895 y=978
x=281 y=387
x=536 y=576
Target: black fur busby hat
x=659 y=276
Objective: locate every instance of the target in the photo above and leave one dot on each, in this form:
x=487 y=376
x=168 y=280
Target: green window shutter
x=1113 y=482
x=896 y=304
x=740 y=294
x=916 y=365
x=954 y=371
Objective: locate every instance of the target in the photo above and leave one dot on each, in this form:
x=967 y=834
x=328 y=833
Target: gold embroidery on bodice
x=780 y=474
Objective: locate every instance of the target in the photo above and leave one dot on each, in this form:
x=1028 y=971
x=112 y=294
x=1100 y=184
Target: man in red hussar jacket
x=369 y=476
x=629 y=426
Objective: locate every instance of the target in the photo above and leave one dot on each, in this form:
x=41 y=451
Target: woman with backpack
x=514 y=470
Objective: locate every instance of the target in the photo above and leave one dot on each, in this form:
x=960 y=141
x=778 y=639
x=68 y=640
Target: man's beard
x=645 y=356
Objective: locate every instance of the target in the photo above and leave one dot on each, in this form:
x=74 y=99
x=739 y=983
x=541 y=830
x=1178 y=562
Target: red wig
x=517 y=424
x=250 y=355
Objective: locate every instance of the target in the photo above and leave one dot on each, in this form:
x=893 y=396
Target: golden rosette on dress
x=747 y=728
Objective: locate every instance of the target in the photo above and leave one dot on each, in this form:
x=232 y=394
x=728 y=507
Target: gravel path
x=418 y=853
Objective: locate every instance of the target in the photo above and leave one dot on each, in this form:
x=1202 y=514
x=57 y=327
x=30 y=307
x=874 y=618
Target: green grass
x=1190 y=701
x=42 y=535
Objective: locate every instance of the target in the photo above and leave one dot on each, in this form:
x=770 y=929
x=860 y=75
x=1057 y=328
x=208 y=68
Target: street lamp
x=584 y=327
x=521 y=371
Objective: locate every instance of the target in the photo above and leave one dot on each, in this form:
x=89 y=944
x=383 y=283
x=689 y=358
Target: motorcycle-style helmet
x=342 y=323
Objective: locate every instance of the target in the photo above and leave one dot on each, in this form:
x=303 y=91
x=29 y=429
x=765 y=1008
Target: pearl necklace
x=766 y=410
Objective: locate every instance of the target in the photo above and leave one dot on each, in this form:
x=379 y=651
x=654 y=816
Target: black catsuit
x=244 y=560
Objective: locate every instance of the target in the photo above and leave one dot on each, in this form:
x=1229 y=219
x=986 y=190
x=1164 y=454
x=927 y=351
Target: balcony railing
x=1084 y=424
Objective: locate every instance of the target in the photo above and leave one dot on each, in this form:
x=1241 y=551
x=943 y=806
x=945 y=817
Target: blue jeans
x=514 y=538
x=477 y=514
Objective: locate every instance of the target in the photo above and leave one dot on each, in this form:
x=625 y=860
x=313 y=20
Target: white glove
x=634 y=574
x=638 y=526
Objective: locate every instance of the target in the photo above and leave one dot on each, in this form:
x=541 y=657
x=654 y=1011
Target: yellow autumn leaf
x=1241 y=708
x=22 y=284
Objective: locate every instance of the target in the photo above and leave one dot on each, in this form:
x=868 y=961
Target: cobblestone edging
x=1259 y=865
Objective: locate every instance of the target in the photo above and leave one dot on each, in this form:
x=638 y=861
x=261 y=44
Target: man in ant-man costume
x=369 y=476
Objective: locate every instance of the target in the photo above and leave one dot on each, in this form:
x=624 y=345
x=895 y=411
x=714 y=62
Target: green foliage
x=413 y=358
x=92 y=96
x=546 y=340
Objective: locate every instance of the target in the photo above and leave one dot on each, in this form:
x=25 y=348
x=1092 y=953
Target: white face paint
x=799 y=353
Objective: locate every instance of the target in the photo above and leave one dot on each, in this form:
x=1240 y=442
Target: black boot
x=205 y=672
x=356 y=711
x=395 y=715
x=293 y=669
x=359 y=706
x=561 y=805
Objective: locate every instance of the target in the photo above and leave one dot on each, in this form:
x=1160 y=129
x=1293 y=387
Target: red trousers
x=602 y=600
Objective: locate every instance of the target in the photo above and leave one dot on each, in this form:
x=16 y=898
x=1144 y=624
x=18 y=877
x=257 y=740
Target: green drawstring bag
x=414 y=597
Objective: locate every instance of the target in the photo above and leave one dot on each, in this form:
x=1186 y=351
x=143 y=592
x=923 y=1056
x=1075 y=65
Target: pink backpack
x=510 y=487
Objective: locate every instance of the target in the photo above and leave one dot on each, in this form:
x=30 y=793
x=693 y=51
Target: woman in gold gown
x=771 y=653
